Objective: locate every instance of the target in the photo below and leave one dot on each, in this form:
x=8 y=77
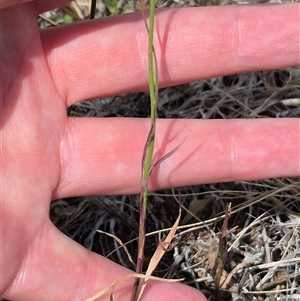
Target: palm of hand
x=32 y=127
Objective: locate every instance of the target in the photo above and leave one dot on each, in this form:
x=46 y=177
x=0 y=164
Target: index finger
x=109 y=56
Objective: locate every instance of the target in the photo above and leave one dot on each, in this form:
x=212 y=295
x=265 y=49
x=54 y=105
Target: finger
x=41 y=5
x=103 y=156
x=109 y=56
x=7 y=3
x=57 y=268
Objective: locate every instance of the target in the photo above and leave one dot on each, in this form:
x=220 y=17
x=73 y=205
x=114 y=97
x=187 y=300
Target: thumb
x=57 y=268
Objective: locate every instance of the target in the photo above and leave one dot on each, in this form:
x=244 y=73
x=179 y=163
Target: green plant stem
x=149 y=148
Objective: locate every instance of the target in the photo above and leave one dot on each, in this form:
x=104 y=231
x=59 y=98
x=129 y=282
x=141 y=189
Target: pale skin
x=45 y=155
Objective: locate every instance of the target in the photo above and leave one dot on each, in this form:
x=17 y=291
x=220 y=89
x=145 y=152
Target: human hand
x=46 y=155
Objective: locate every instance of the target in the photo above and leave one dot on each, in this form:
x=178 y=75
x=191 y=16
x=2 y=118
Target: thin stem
x=93 y=9
x=149 y=148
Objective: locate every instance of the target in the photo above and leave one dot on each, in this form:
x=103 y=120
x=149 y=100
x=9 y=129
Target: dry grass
x=263 y=255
